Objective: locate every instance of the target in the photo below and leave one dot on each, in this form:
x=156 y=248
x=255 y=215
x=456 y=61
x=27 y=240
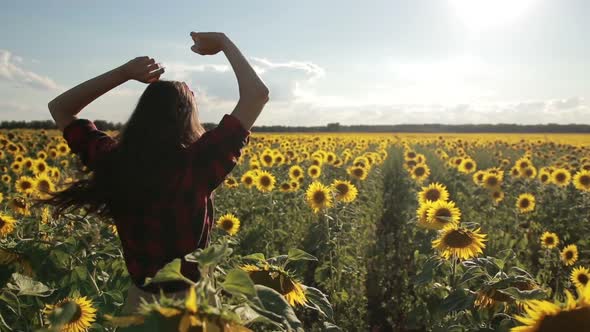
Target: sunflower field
x=323 y=232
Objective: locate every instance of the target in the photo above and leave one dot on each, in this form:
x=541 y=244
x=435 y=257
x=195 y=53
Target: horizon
x=390 y=63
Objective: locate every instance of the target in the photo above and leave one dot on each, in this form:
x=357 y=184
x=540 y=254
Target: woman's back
x=177 y=217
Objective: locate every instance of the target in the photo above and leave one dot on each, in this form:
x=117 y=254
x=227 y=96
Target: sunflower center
x=569 y=255
x=529 y=172
x=549 y=241
x=496 y=194
x=411 y=155
x=468 y=165
x=585 y=180
x=296 y=173
x=560 y=177
x=444 y=213
x=419 y=171
x=26 y=185
x=492 y=181
x=265 y=181
x=544 y=177
x=227 y=224
x=248 y=180
x=2 y=223
x=480 y=177
x=433 y=195
x=319 y=197
x=524 y=165
x=358 y=172
x=458 y=239
x=44 y=186
x=524 y=203
x=570 y=320
x=267 y=159
x=342 y=189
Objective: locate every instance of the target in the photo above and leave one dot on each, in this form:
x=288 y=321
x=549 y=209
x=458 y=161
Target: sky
x=352 y=62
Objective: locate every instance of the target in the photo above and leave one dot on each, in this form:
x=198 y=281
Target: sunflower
x=20 y=205
x=455 y=241
x=25 y=185
x=549 y=240
x=467 y=166
x=6 y=178
x=296 y=172
x=267 y=159
x=545 y=176
x=6 y=224
x=314 y=171
x=489 y=295
x=231 y=182
x=478 y=177
x=42 y=155
x=525 y=203
x=582 y=180
x=561 y=177
x=529 y=172
x=344 y=191
x=580 y=276
x=84 y=315
x=229 y=223
x=265 y=181
x=491 y=180
x=285 y=187
x=420 y=172
x=1 y=197
x=16 y=167
x=498 y=196
x=357 y=172
x=569 y=255
x=410 y=155
x=443 y=213
x=433 y=192
x=44 y=186
x=542 y=315
x=318 y=196
x=523 y=163
x=62 y=149
x=40 y=166
x=278 y=279
x=422 y=214
x=247 y=179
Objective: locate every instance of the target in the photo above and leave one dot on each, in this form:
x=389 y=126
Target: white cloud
x=11 y=71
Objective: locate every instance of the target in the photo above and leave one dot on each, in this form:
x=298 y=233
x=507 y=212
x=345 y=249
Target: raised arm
x=64 y=107
x=253 y=92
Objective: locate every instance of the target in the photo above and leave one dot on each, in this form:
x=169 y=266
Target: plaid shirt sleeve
x=85 y=140
x=217 y=151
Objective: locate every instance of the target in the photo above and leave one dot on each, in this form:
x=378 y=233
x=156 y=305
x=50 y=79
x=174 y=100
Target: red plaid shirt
x=181 y=221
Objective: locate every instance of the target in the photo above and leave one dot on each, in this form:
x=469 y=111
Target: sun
x=479 y=15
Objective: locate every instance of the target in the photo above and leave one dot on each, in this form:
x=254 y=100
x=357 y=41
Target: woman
x=156 y=179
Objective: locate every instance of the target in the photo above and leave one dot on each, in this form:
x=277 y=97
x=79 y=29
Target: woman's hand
x=143 y=69
x=208 y=43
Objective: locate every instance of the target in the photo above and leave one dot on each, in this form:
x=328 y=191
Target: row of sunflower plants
x=499 y=262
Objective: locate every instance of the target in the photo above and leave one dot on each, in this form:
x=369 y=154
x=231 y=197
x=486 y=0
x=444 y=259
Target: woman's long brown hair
x=149 y=150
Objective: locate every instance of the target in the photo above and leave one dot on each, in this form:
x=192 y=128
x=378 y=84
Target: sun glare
x=486 y=14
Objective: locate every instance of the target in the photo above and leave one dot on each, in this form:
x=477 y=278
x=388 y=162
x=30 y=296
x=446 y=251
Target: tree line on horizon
x=337 y=127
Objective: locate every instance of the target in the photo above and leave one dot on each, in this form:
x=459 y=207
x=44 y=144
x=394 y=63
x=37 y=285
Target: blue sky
x=370 y=62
